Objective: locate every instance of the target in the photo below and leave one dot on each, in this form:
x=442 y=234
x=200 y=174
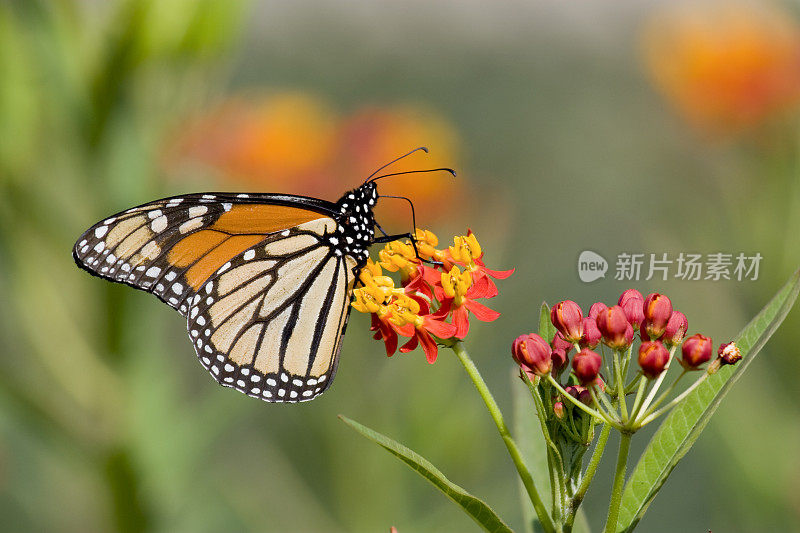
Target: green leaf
x=475 y=508
x=684 y=424
x=546 y=329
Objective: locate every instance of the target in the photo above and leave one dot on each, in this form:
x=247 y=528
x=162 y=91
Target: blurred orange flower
x=725 y=66
x=295 y=142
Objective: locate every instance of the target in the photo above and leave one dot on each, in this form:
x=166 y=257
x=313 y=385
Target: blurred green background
x=633 y=126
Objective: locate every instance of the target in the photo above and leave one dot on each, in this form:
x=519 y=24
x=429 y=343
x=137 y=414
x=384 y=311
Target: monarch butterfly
x=264 y=280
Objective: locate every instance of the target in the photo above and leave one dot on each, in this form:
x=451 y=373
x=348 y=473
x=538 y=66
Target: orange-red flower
x=725 y=66
x=434 y=302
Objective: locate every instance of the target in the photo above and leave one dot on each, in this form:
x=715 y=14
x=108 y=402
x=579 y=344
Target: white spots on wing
x=99 y=247
x=224 y=267
x=177 y=288
x=198 y=210
x=159 y=224
x=240 y=383
x=85 y=249
x=271 y=382
x=191 y=224
x=209 y=288
x=322 y=378
x=215 y=370
x=220 y=358
x=245 y=371
x=111 y=258
x=170 y=276
x=255 y=378
x=255 y=390
x=153 y=272
x=229 y=379
x=99 y=232
x=209 y=300
x=159 y=287
x=173 y=300
x=293 y=394
x=208 y=349
x=201 y=321
x=307 y=393
x=227 y=206
x=242 y=196
x=285 y=233
x=126 y=267
x=195 y=310
x=228 y=367
x=297 y=382
x=207 y=197
x=249 y=254
x=281 y=392
x=267 y=394
x=150 y=250
x=109 y=220
x=284 y=377
x=155 y=213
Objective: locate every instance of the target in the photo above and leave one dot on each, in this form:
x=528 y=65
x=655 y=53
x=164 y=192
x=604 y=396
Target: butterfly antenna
x=423 y=148
x=450 y=170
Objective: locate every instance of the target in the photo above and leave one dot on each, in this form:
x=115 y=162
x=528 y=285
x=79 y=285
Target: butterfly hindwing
x=270 y=321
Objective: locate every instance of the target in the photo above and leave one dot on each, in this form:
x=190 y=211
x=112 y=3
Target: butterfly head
x=356 y=221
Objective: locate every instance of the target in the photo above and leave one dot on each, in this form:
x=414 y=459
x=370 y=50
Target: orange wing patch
x=236 y=230
x=263 y=218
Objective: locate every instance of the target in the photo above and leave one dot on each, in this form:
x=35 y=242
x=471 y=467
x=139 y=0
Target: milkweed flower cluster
x=603 y=349
x=439 y=290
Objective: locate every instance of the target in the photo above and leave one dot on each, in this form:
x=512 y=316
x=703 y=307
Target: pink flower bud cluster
x=659 y=327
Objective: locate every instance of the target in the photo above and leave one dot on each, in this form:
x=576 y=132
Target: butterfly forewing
x=170 y=247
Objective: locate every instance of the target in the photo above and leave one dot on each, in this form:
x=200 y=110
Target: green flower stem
x=555 y=463
x=513 y=451
x=576 y=403
x=634 y=382
x=658 y=382
x=623 y=406
x=637 y=403
x=619 y=482
x=586 y=480
x=647 y=417
x=627 y=360
x=663 y=396
x=603 y=397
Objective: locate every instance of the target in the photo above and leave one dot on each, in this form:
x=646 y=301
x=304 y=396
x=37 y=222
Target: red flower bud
x=675 y=329
x=628 y=294
x=591 y=335
x=631 y=301
x=596 y=309
x=585 y=397
x=573 y=391
x=567 y=317
x=729 y=353
x=532 y=353
x=586 y=365
x=613 y=325
x=696 y=350
x=560 y=359
x=657 y=312
x=558 y=410
x=653 y=357
x=560 y=343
